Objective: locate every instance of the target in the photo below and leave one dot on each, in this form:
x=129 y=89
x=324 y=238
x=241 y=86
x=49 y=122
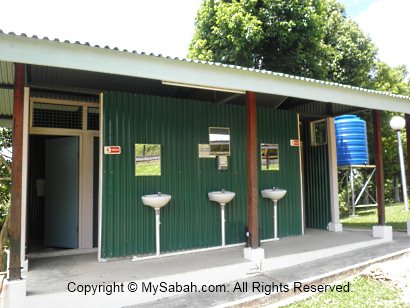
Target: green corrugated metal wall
x=316 y=181
x=190 y=220
x=278 y=127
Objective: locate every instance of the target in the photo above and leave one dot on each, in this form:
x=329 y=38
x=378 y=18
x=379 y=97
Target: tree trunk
x=396 y=192
x=366 y=196
x=4 y=237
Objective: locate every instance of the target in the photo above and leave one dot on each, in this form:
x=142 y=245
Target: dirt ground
x=395 y=272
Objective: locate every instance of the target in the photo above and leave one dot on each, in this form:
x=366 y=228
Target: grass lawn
x=367 y=217
x=364 y=292
x=148 y=168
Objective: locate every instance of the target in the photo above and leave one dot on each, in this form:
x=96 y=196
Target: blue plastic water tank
x=351 y=141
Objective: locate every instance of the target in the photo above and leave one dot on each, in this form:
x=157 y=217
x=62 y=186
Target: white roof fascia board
x=21 y=49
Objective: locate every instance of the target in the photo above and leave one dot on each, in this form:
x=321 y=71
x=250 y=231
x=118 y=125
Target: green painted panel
x=190 y=220
x=316 y=181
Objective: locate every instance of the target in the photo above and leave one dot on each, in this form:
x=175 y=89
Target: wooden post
x=251 y=142
x=16 y=172
x=378 y=156
x=407 y=116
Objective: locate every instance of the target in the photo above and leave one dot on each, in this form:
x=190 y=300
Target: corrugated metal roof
x=6 y=102
x=215 y=64
x=6 y=73
x=6 y=95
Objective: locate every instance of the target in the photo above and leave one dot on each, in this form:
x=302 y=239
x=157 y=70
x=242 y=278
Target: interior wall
x=190 y=220
x=35 y=204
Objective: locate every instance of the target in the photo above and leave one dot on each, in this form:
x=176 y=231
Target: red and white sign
x=294 y=143
x=112 y=149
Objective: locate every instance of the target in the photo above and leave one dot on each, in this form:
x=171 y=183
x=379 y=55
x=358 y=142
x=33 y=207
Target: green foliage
x=142 y=150
x=308 y=38
x=391 y=79
x=394 y=80
x=349 y=53
x=226 y=32
x=390 y=149
x=5 y=173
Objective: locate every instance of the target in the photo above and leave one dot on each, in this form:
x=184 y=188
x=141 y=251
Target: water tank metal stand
x=349 y=176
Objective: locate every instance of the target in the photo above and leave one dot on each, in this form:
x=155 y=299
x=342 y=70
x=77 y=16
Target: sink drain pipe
x=275 y=220
x=223 y=224
x=157 y=223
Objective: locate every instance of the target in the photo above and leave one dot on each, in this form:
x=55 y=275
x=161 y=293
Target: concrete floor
x=319 y=251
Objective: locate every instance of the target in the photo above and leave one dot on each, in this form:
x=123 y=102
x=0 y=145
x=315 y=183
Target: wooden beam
x=407 y=117
x=378 y=156
x=16 y=172
x=251 y=142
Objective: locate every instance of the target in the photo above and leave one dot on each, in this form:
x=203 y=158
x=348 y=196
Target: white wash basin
x=156 y=201
x=274 y=194
x=222 y=197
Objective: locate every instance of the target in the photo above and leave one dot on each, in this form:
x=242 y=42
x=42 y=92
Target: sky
x=166 y=27
x=387 y=22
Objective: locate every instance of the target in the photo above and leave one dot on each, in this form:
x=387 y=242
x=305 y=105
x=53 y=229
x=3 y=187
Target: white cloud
x=160 y=26
x=388 y=24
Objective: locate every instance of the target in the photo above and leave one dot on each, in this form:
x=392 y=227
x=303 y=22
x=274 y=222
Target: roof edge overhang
x=22 y=49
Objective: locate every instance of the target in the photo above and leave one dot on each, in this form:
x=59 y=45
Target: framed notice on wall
x=204 y=151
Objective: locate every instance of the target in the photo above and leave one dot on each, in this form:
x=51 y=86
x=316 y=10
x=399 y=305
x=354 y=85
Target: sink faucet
x=159 y=193
x=223 y=190
x=273 y=188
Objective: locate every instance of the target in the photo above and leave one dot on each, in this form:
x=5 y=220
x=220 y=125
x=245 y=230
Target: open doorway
x=53 y=190
x=61 y=192
x=62 y=178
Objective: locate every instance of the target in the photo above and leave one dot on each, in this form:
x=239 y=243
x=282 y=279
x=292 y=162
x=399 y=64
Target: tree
x=349 y=53
x=5 y=185
x=394 y=80
x=391 y=79
x=5 y=172
x=227 y=32
x=308 y=38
